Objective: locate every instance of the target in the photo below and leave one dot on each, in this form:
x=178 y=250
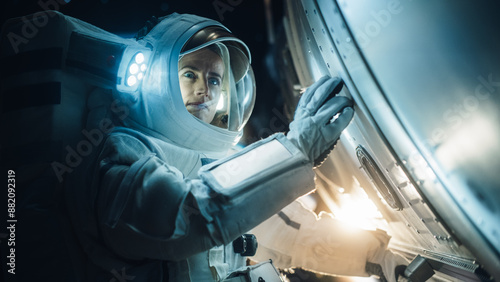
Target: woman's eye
x=214 y=81
x=189 y=74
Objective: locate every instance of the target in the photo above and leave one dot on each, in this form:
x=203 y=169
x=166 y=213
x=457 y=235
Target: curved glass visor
x=217 y=85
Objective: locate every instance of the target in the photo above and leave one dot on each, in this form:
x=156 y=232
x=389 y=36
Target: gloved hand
x=311 y=129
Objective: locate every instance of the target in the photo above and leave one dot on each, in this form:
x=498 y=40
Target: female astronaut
x=163 y=200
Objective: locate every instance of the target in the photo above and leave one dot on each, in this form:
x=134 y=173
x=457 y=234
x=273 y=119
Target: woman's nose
x=202 y=87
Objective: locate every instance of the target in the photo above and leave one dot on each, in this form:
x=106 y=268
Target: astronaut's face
x=200 y=78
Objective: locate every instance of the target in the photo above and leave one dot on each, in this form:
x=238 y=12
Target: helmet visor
x=217 y=83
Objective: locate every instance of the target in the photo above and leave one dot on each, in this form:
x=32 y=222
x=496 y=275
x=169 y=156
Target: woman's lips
x=197 y=105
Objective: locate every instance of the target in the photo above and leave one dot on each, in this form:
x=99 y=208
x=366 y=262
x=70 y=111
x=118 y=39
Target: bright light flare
x=358 y=211
x=475 y=139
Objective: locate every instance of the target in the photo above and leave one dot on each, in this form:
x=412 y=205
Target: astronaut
x=161 y=198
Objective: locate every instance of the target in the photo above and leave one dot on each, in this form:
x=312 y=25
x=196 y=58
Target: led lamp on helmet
x=132 y=69
x=160 y=109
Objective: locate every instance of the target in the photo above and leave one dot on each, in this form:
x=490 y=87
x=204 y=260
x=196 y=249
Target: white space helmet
x=158 y=108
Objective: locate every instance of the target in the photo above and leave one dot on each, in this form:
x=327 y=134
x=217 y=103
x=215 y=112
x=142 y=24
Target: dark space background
x=245 y=18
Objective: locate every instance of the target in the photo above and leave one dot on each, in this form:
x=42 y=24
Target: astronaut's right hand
x=316 y=128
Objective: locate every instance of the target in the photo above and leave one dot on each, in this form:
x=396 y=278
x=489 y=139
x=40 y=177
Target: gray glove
x=313 y=129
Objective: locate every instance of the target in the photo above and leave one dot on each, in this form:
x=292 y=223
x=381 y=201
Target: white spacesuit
x=158 y=198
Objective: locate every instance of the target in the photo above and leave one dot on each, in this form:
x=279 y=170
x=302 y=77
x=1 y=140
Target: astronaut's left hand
x=314 y=129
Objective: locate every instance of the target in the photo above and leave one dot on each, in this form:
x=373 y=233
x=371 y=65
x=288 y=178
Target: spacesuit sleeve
x=297 y=237
x=147 y=209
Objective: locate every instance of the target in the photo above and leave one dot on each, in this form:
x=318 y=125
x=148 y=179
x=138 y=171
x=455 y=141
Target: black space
x=245 y=18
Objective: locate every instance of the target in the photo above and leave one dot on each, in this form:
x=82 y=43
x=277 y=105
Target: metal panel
x=440 y=81
x=394 y=128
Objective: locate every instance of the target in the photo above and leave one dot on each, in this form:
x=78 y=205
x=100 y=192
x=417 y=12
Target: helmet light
x=132 y=69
